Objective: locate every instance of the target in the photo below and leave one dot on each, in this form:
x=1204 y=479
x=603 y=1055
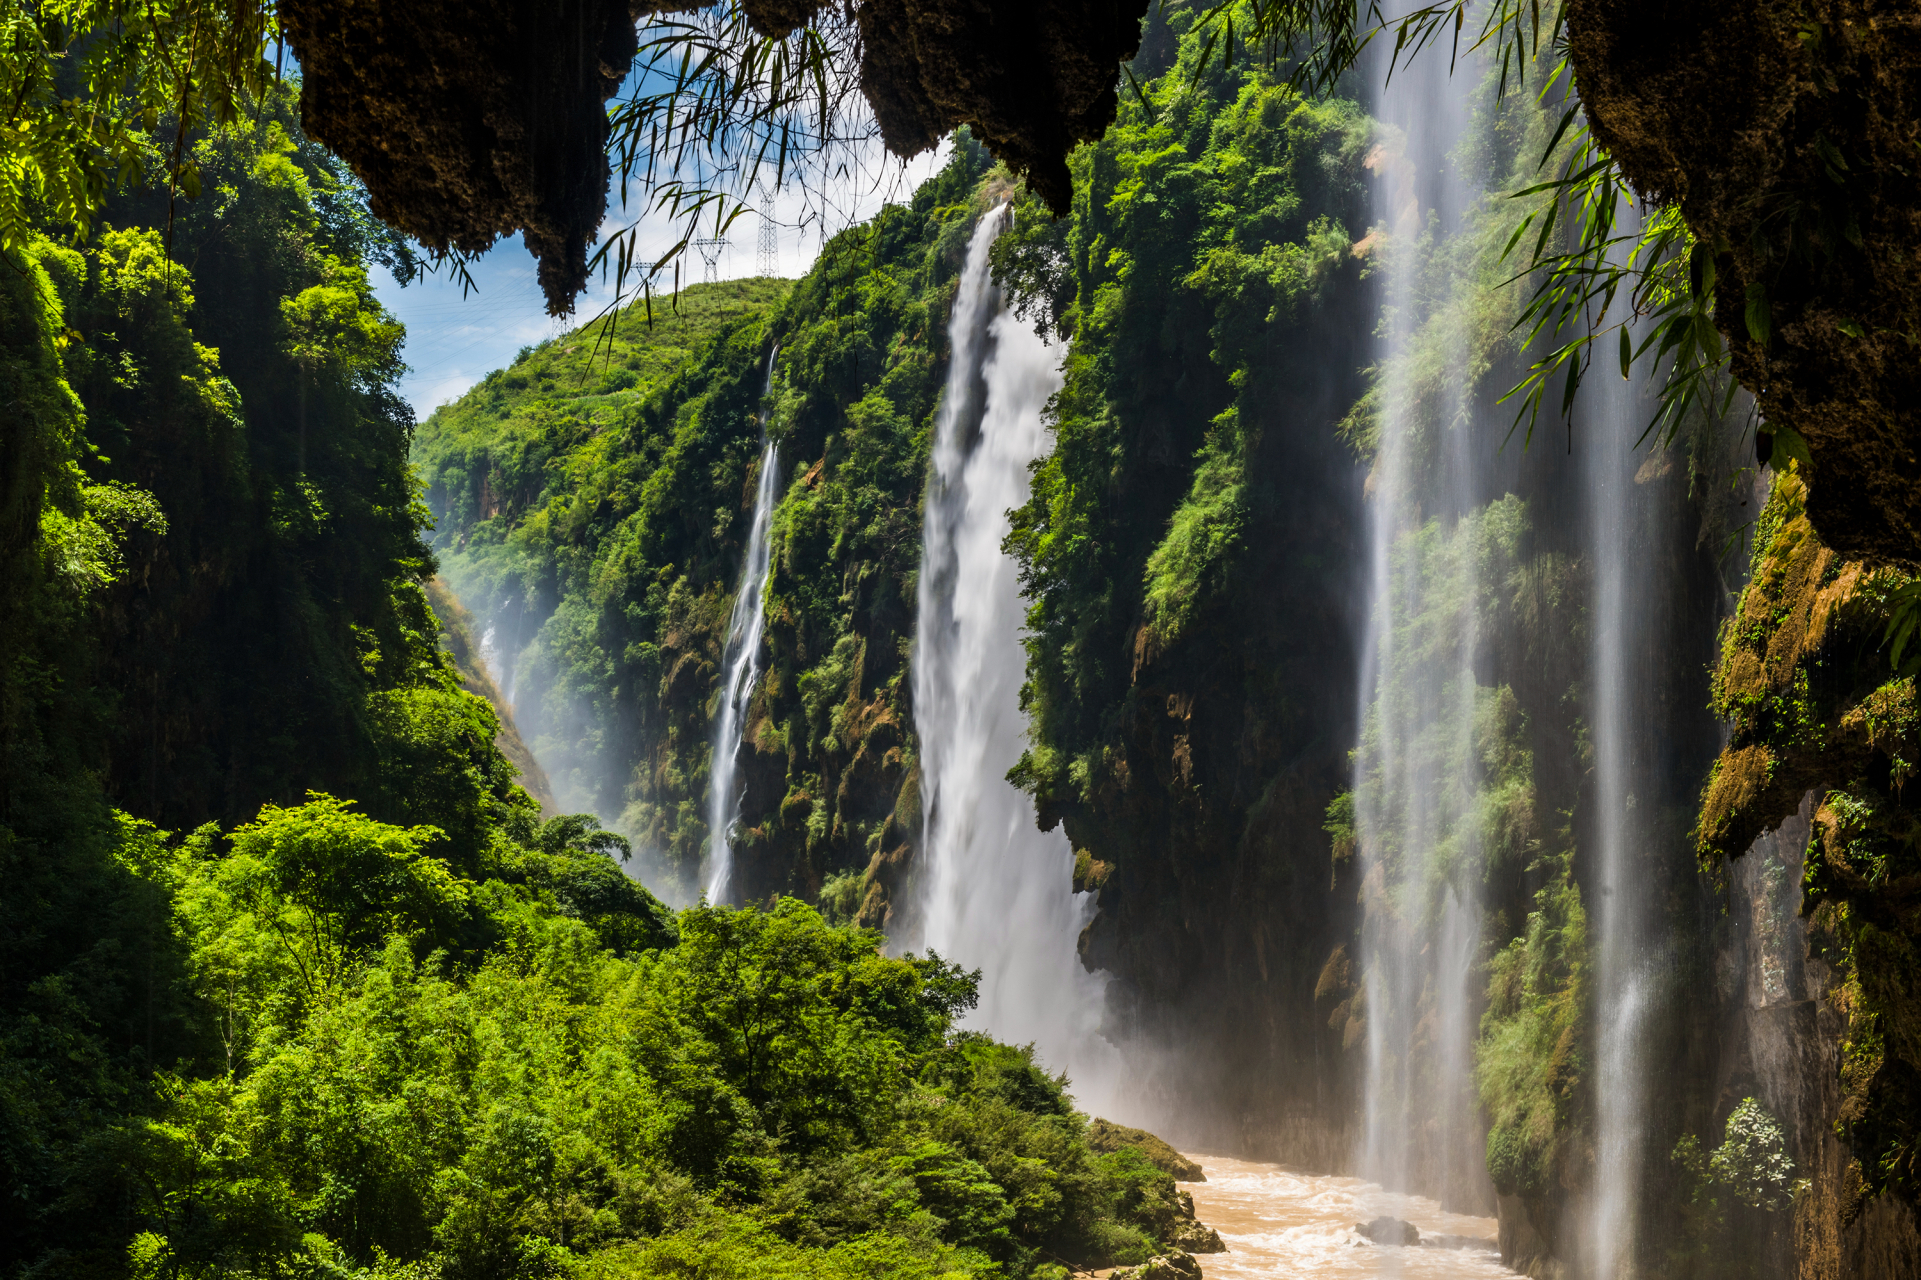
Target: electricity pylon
x=710 y=250
x=769 y=244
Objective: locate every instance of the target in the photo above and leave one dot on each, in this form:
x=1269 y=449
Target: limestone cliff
x=1786 y=132
x=1822 y=732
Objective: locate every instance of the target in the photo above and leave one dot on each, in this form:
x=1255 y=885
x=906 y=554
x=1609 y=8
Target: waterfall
x=1624 y=662
x=995 y=892
x=503 y=666
x=490 y=658
x=1414 y=783
x=740 y=670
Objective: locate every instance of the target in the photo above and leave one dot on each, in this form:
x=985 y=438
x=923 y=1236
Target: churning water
x=1278 y=1222
x=740 y=671
x=995 y=892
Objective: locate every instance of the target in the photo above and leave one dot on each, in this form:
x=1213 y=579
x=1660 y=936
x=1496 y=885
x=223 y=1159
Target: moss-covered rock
x=1105 y=1135
x=1814 y=706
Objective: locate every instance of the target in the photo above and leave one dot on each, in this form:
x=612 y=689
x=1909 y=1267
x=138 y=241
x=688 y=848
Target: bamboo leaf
x=1759 y=316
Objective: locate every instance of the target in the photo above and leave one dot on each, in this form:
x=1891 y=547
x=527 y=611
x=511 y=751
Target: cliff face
x=1791 y=1026
x=1822 y=729
x=1785 y=132
x=1187 y=551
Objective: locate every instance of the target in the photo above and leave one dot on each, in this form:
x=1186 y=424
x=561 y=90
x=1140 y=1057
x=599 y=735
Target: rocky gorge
x=1230 y=428
x=1348 y=602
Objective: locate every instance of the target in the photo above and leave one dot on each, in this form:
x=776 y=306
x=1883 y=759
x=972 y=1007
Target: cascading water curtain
x=740 y=671
x=1622 y=529
x=995 y=893
x=1415 y=776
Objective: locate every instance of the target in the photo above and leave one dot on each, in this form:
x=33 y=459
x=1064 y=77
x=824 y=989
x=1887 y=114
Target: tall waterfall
x=1624 y=659
x=996 y=893
x=740 y=671
x=1414 y=783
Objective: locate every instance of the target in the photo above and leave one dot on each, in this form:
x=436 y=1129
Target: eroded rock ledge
x=470 y=122
x=1788 y=133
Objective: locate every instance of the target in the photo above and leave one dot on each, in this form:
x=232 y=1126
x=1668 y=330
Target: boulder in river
x=1196 y=1237
x=1105 y=1136
x=1174 y=1265
x=1390 y=1231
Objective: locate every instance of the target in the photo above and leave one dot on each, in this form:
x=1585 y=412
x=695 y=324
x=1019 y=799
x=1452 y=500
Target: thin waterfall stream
x=740 y=669
x=996 y=893
x=1622 y=528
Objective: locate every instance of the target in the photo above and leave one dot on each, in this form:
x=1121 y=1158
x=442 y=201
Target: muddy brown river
x=1279 y=1223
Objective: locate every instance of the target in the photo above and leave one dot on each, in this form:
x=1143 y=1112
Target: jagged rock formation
x=470 y=122
x=1031 y=78
x=1787 y=133
x=1028 y=79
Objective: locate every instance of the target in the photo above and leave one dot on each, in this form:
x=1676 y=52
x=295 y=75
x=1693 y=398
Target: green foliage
x=1532 y=1065
x=363 y=1087
x=727 y=1247
x=1732 y=1190
x=354 y=881
x=1207 y=278
x=209 y=602
x=1752 y=1161
x=88 y=81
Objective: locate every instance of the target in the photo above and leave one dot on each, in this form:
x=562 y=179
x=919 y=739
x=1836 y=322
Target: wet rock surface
x=1193 y=1235
x=1390 y=1231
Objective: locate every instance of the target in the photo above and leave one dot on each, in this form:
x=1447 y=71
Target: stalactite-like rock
x=1030 y=79
x=470 y=122
x=1788 y=132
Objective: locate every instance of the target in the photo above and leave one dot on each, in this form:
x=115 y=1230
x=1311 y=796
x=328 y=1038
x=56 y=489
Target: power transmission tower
x=769 y=245
x=710 y=250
